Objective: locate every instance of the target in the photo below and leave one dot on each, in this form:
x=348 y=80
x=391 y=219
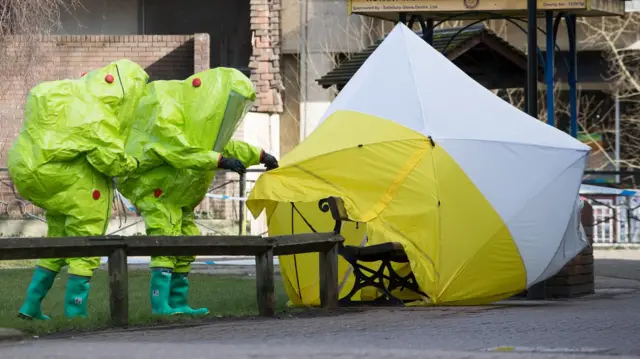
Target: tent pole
x=549 y=69
x=532 y=59
x=537 y=291
x=429 y=37
x=402 y=17
x=573 y=76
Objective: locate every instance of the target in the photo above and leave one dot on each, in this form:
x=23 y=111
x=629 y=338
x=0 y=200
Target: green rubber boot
x=178 y=295
x=159 y=291
x=75 y=299
x=41 y=282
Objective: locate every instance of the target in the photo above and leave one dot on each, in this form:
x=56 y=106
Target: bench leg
x=265 y=284
x=119 y=288
x=329 y=278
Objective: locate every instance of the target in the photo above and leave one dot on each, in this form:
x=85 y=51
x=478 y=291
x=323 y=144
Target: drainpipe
x=303 y=67
x=617 y=107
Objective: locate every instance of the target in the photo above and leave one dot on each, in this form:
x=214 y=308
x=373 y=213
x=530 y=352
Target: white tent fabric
x=574 y=241
x=407 y=81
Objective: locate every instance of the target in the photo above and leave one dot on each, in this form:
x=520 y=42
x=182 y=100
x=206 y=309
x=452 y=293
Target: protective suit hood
x=72 y=129
x=119 y=85
x=223 y=119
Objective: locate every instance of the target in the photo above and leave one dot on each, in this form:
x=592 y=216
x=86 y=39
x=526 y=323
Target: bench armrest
x=338 y=212
x=335 y=205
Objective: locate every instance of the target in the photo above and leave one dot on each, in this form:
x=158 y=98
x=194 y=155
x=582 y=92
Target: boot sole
x=28 y=317
x=24 y=316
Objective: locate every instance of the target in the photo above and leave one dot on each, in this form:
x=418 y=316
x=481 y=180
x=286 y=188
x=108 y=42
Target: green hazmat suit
x=181 y=131
x=68 y=150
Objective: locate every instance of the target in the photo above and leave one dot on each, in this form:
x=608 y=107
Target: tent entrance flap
x=300 y=272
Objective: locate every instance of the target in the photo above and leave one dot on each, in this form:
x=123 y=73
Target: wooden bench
x=386 y=253
x=118 y=248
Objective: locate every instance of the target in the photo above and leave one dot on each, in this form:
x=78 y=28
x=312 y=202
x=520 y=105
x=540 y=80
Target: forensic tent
x=478 y=193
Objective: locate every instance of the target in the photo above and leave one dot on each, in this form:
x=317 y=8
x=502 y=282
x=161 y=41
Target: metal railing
x=225 y=200
x=616 y=219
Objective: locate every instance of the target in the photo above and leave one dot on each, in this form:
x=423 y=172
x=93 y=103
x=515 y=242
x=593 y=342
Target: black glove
x=231 y=164
x=269 y=161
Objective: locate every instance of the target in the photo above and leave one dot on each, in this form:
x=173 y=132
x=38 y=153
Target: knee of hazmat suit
x=70 y=144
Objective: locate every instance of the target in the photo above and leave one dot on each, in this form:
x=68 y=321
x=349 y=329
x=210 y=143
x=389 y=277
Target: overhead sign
x=457 y=5
x=453 y=6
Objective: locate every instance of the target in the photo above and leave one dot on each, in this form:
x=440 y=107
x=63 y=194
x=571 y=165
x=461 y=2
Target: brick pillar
x=265 y=60
x=201 y=53
x=577 y=277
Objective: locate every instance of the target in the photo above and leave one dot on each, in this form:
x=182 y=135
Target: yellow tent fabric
x=408 y=190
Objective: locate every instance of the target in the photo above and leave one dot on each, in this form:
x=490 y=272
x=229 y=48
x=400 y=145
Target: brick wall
x=164 y=57
x=266 y=76
x=577 y=278
x=58 y=57
x=265 y=61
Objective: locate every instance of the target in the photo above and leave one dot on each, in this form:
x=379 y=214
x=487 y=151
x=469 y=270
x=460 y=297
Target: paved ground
x=607 y=324
x=623 y=263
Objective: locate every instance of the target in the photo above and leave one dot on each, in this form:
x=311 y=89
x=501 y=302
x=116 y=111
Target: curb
x=11 y=334
x=200 y=322
x=607 y=293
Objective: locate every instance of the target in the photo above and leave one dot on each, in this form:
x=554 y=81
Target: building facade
x=172 y=40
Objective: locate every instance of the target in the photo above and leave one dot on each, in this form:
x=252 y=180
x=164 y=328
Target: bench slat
x=65 y=247
x=201 y=245
x=305 y=243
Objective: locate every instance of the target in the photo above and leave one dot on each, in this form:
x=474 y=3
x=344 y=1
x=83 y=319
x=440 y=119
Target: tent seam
x=415 y=82
x=435 y=138
x=275 y=172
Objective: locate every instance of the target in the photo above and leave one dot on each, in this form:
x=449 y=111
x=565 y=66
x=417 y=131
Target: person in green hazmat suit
x=180 y=135
x=68 y=151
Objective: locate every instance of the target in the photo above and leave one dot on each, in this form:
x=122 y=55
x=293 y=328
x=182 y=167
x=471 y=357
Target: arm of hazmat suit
x=108 y=156
x=178 y=152
x=116 y=89
x=247 y=154
x=159 y=128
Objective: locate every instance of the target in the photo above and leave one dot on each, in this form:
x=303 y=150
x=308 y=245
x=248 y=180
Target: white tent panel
x=407 y=81
x=574 y=241
x=457 y=107
x=539 y=227
x=384 y=86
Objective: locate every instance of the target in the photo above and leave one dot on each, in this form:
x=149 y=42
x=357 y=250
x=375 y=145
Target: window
x=632 y=6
